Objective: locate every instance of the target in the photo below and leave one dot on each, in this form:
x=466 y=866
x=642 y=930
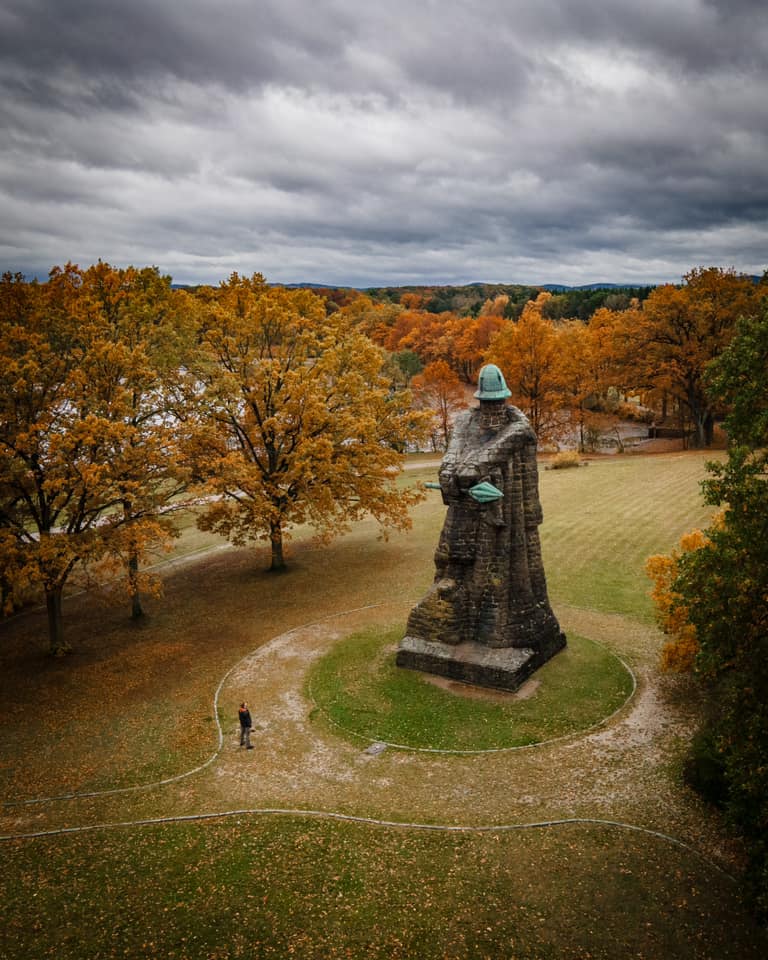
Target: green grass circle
x=359 y=689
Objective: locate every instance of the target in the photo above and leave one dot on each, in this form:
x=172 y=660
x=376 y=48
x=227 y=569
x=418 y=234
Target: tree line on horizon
x=566 y=372
x=468 y=299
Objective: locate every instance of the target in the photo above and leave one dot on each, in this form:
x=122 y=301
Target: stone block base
x=502 y=668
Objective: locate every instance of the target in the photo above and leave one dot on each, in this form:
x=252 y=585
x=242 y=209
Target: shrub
x=704 y=769
x=565 y=459
x=672 y=613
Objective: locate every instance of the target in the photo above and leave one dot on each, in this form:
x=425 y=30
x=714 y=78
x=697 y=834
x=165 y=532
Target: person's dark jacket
x=245 y=718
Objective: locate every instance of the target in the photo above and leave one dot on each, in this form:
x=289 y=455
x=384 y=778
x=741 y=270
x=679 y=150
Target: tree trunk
x=699 y=413
x=137 y=611
x=58 y=645
x=699 y=432
x=446 y=432
x=276 y=539
x=709 y=428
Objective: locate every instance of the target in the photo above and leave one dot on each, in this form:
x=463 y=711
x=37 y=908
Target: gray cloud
x=567 y=140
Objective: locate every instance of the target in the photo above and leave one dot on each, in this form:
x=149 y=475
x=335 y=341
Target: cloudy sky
x=393 y=142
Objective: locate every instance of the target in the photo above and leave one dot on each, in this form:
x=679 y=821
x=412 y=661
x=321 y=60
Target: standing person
x=245 y=726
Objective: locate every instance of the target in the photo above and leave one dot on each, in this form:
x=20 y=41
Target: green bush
x=704 y=769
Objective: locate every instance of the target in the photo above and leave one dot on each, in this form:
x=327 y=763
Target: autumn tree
x=53 y=484
x=672 y=613
x=55 y=478
x=588 y=371
x=303 y=427
x=471 y=337
x=438 y=390
x=667 y=345
x=140 y=354
x=375 y=320
x=430 y=335
x=495 y=307
x=412 y=299
x=85 y=454
x=576 y=374
x=526 y=352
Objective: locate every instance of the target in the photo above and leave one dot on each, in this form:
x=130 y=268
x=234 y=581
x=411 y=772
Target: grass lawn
x=295 y=888
x=134 y=703
x=601 y=522
x=358 y=688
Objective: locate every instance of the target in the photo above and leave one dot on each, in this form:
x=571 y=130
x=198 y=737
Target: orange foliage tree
x=472 y=337
x=438 y=389
x=672 y=614
x=460 y=341
x=667 y=345
x=302 y=425
x=373 y=319
x=526 y=352
x=430 y=335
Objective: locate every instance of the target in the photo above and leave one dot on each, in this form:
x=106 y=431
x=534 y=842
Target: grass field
x=358 y=688
x=603 y=522
x=586 y=848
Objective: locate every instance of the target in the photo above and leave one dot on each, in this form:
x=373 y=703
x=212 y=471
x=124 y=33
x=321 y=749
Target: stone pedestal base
x=503 y=668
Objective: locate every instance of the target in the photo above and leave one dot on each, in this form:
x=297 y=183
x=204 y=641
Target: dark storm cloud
x=239 y=42
x=566 y=140
x=246 y=44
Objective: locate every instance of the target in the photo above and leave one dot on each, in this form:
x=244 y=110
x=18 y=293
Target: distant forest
x=573 y=302
x=467 y=300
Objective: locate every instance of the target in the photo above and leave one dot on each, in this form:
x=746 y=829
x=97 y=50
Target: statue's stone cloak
x=489 y=592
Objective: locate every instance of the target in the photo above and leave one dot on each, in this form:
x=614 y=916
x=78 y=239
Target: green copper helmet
x=491 y=384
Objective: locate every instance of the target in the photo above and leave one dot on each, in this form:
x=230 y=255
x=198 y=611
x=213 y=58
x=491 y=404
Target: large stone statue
x=486 y=619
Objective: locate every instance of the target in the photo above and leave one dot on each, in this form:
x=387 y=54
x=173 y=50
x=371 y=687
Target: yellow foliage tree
x=85 y=458
x=303 y=427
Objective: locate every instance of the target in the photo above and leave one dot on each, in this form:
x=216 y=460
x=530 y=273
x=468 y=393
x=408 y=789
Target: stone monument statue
x=486 y=619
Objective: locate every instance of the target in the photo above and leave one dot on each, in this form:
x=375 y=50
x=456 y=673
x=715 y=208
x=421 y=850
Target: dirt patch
x=472 y=692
